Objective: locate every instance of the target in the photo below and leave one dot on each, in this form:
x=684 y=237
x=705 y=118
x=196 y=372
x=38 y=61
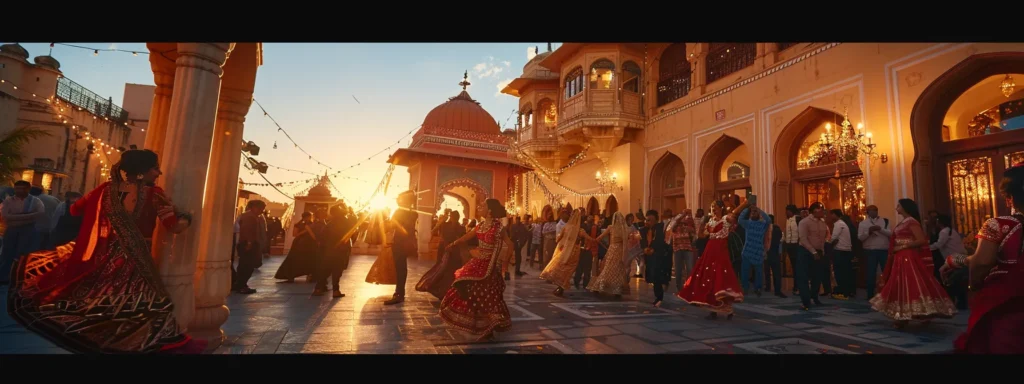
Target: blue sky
x=309 y=87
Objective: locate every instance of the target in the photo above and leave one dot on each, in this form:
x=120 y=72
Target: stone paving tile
x=285 y=318
x=648 y=334
x=630 y=344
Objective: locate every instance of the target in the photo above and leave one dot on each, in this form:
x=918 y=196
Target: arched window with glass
x=602 y=74
x=574 y=82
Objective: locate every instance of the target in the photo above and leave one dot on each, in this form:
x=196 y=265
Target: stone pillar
x=156 y=133
x=698 y=68
x=213 y=266
x=185 y=161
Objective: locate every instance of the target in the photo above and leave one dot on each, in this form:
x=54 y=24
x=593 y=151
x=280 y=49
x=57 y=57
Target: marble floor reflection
x=284 y=318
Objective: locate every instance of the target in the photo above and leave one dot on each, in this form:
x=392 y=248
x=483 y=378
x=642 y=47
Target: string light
x=96 y=51
x=538 y=169
x=57 y=108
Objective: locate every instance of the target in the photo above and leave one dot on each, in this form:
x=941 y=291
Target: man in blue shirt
x=755 y=227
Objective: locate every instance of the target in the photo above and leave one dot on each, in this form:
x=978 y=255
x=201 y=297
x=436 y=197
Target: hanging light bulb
x=95 y=52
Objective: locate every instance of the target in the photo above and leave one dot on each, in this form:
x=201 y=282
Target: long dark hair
x=134 y=162
x=911 y=208
x=497 y=210
x=1013 y=186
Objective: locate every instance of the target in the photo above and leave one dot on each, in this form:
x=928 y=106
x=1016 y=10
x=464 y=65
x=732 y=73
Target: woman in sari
x=713 y=283
x=301 y=259
x=101 y=293
x=910 y=290
x=996 y=274
x=440 y=277
x=566 y=257
x=475 y=303
x=383 y=270
x=614 y=276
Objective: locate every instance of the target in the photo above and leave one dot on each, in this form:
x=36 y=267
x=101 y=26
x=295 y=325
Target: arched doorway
x=668 y=184
x=725 y=171
x=472 y=196
x=455 y=202
x=611 y=205
x=806 y=167
x=965 y=134
x=593 y=207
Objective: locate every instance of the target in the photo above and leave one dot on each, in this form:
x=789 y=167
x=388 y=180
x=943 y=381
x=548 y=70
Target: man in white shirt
x=843 y=266
x=21 y=213
x=874 y=234
x=791 y=238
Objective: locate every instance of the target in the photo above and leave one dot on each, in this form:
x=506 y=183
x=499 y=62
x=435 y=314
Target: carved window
x=602 y=74
x=550 y=111
x=631 y=77
x=673 y=74
x=727 y=58
x=574 y=83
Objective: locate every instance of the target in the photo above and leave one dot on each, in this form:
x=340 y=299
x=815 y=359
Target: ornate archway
x=593 y=207
x=712 y=187
x=975 y=163
x=611 y=205
x=668 y=184
x=462 y=200
x=804 y=174
x=479 y=201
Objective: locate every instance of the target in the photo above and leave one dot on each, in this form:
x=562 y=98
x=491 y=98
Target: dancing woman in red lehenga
x=713 y=283
x=101 y=293
x=475 y=302
x=996 y=273
x=910 y=290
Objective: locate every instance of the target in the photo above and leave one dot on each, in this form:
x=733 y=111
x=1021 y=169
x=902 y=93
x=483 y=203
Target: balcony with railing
x=79 y=96
x=725 y=59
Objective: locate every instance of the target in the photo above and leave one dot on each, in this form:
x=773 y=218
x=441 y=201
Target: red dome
x=463 y=113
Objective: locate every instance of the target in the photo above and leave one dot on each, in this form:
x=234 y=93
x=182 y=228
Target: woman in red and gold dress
x=475 y=302
x=713 y=283
x=996 y=273
x=101 y=293
x=910 y=290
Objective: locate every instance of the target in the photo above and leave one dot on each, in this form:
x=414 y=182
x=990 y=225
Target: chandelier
x=1007 y=86
x=843 y=144
x=607 y=180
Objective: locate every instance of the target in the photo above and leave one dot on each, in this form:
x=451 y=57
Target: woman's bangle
x=956 y=260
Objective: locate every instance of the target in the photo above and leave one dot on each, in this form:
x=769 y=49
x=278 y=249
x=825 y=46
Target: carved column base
x=207 y=321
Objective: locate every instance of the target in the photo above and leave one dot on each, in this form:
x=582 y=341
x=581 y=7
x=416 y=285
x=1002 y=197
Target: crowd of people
x=76 y=265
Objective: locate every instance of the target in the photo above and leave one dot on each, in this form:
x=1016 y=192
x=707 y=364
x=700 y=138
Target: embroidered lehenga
x=910 y=290
x=475 y=303
x=101 y=293
x=713 y=283
x=613 y=278
x=566 y=256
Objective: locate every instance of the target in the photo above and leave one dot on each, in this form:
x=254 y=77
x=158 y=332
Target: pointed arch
x=933 y=158
x=668 y=183
x=611 y=205
x=711 y=185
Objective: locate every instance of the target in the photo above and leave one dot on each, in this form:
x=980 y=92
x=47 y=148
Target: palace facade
x=629 y=126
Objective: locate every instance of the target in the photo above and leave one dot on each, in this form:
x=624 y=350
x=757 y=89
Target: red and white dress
x=713 y=283
x=482 y=309
x=911 y=291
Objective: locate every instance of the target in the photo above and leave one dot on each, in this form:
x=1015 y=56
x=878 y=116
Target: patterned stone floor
x=284 y=318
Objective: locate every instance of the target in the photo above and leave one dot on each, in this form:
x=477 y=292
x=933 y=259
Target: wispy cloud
x=507 y=63
x=501 y=85
x=488 y=68
x=531 y=52
x=112 y=46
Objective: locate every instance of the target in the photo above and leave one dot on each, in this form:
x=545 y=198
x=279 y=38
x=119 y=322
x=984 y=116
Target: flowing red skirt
x=997 y=331
x=438 y=280
x=911 y=291
x=713 y=283
x=482 y=309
